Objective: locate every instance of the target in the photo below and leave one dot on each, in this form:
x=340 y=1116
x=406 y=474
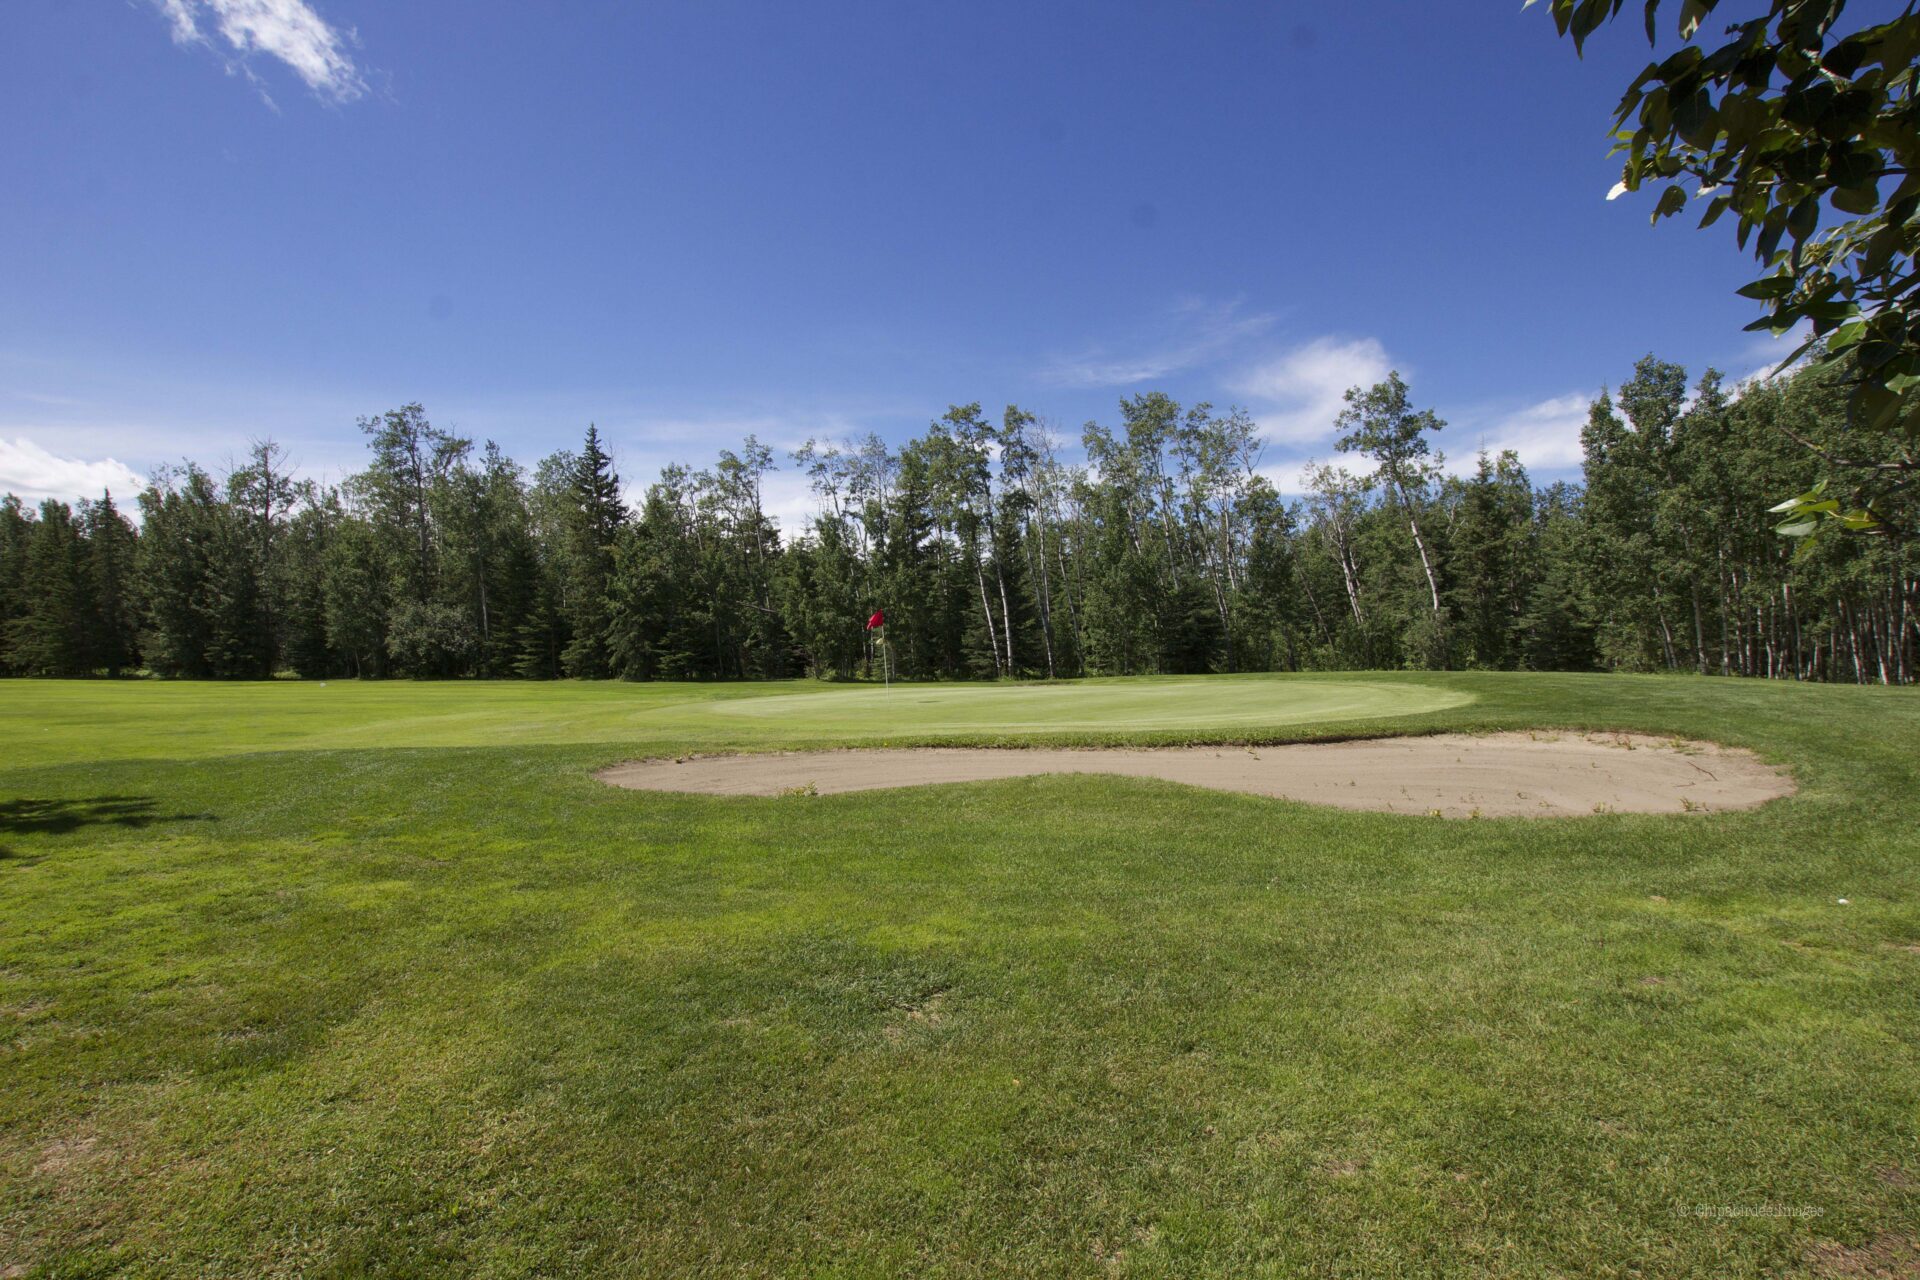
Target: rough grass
x=397 y=1007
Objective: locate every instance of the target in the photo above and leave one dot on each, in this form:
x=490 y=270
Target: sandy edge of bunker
x=1542 y=774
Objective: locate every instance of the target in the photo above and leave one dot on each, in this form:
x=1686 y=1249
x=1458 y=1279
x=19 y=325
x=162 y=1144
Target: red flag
x=879 y=619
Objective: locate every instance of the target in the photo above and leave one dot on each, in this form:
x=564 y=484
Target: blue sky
x=228 y=219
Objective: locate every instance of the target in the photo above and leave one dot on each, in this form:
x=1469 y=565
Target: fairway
x=379 y=980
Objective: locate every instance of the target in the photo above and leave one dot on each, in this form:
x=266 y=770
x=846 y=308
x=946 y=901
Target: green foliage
x=180 y=528
x=16 y=529
x=357 y=586
x=1168 y=552
x=1493 y=561
x=594 y=515
x=412 y=462
x=1789 y=121
x=1381 y=423
x=431 y=639
x=53 y=633
x=112 y=550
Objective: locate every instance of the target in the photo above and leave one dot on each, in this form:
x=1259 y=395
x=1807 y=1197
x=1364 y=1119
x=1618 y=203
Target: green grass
x=50 y=722
x=376 y=980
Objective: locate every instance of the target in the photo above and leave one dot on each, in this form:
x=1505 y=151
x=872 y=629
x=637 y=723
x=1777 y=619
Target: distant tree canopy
x=1789 y=123
x=1168 y=549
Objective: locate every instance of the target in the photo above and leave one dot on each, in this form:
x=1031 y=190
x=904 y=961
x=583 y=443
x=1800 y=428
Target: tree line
x=1166 y=550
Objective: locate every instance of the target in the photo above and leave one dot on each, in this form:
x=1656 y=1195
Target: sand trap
x=1450 y=775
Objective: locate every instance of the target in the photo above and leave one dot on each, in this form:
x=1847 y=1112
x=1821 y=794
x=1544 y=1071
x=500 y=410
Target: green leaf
x=1804 y=218
x=1694 y=120
x=1767 y=288
x=1692 y=14
x=1811 y=495
x=1875 y=354
x=1860 y=200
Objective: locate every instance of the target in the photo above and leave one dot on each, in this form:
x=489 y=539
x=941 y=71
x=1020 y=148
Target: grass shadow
x=61 y=817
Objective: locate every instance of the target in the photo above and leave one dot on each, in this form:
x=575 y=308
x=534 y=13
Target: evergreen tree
x=181 y=513
x=1493 y=565
x=16 y=530
x=357 y=588
x=53 y=636
x=261 y=496
x=309 y=535
x=1557 y=628
x=1167 y=551
x=112 y=553
x=594 y=516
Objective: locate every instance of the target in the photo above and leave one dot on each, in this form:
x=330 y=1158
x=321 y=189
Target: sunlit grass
x=377 y=980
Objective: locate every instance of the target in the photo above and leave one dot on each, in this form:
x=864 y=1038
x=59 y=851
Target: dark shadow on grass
x=59 y=817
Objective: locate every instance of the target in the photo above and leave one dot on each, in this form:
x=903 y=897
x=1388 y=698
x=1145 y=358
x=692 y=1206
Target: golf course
x=341 y=979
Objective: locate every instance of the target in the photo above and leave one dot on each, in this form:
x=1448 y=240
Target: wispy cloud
x=35 y=475
x=1295 y=396
x=783 y=433
x=289 y=30
x=1194 y=333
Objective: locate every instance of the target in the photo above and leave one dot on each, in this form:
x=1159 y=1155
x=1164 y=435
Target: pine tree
x=593 y=521
x=1491 y=557
x=53 y=634
x=309 y=534
x=239 y=645
x=357 y=586
x=112 y=551
x=16 y=530
x=180 y=516
x=1557 y=631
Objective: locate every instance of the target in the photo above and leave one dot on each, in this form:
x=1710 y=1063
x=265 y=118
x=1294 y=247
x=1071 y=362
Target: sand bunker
x=1449 y=775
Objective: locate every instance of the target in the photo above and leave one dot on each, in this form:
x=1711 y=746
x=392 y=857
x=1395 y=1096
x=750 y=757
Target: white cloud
x=788 y=497
x=1296 y=395
x=645 y=444
x=1771 y=350
x=35 y=475
x=1195 y=333
x=289 y=30
x=1290 y=478
x=1545 y=435
x=786 y=494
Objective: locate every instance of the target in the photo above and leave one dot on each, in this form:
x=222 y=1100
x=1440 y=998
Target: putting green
x=47 y=722
x=1203 y=704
